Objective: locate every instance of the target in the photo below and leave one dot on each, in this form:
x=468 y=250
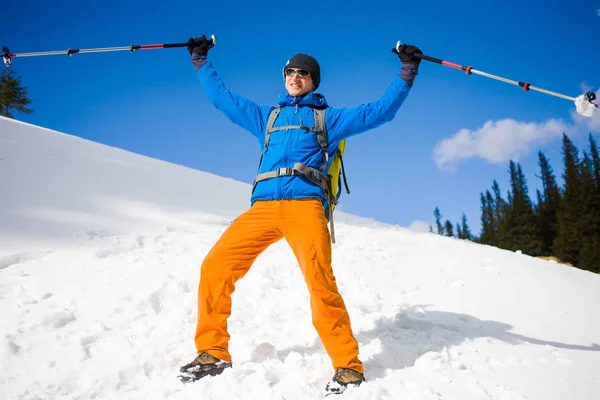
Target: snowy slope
x=99 y=262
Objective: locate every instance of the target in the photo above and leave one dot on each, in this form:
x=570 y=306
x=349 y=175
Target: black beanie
x=309 y=63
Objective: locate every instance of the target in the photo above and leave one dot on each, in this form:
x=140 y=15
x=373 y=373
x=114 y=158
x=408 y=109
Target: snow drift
x=99 y=260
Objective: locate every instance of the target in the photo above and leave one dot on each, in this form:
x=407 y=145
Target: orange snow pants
x=304 y=226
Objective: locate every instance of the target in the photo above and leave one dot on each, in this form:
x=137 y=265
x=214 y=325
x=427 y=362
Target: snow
x=99 y=264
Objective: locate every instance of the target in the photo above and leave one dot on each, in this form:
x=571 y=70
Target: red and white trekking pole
x=8 y=56
x=584 y=103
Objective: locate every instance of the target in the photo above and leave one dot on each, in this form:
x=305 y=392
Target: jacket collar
x=309 y=99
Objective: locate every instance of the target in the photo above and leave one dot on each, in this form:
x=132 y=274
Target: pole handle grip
x=396 y=50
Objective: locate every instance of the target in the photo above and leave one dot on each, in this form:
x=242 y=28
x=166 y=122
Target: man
x=288 y=202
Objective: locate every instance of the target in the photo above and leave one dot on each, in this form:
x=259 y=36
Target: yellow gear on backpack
x=336 y=173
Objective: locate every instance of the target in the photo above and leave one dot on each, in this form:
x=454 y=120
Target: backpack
x=330 y=184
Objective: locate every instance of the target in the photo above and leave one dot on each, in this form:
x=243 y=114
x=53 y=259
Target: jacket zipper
x=286 y=154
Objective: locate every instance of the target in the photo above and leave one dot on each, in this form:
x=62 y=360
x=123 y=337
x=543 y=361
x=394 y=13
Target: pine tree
x=466 y=232
x=486 y=220
x=520 y=229
x=438 y=219
x=488 y=225
x=595 y=160
x=567 y=244
x=449 y=228
x=501 y=207
x=547 y=204
x=589 y=257
x=13 y=96
x=538 y=210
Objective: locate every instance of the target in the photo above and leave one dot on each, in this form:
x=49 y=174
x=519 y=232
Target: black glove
x=200 y=45
x=410 y=62
x=407 y=52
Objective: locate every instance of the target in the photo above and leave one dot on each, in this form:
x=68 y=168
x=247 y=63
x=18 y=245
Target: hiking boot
x=204 y=364
x=343 y=378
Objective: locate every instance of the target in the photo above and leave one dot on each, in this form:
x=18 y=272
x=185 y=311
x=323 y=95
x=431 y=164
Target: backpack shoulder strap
x=319 y=128
x=272 y=117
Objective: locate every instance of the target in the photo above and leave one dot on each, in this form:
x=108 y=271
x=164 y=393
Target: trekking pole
x=8 y=56
x=584 y=102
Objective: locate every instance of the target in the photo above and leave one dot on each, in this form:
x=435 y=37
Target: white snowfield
x=99 y=264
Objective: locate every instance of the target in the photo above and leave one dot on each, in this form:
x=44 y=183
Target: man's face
x=298 y=82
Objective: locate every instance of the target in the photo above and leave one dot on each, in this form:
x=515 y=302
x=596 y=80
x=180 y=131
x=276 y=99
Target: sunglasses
x=302 y=73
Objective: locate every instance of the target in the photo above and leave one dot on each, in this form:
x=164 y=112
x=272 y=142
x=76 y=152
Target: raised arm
x=240 y=110
x=345 y=122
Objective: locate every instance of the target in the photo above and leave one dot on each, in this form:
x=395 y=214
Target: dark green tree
x=463 y=230
x=520 y=230
x=500 y=205
x=449 y=229
x=438 y=221
x=589 y=256
x=13 y=96
x=488 y=222
x=501 y=208
x=595 y=160
x=567 y=244
x=486 y=219
x=547 y=204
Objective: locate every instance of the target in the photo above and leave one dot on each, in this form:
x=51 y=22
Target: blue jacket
x=297 y=145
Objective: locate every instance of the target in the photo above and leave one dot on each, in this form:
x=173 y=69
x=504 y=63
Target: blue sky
x=452 y=137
